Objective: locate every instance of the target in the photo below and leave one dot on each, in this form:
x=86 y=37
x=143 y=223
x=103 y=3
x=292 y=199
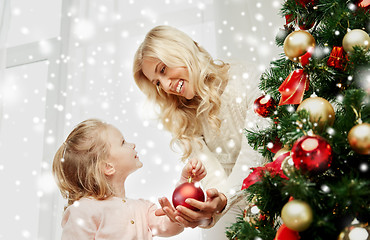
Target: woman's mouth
x=179 y=86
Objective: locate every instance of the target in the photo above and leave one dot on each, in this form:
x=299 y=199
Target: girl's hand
x=195 y=169
x=167 y=209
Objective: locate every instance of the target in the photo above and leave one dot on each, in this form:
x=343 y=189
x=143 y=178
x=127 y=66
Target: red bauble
x=264 y=106
x=187 y=190
x=312 y=154
x=276 y=145
x=285 y=233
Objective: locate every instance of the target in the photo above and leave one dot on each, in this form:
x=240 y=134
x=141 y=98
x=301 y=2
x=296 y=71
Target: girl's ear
x=108 y=168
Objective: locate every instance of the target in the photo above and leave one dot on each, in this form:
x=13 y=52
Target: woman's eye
x=158 y=83
x=163 y=68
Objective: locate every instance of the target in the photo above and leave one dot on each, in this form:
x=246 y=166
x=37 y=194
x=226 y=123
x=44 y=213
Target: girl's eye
x=158 y=83
x=163 y=68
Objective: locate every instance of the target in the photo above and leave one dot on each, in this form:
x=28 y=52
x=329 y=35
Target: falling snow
x=86 y=72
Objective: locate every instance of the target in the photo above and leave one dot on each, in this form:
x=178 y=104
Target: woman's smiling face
x=173 y=80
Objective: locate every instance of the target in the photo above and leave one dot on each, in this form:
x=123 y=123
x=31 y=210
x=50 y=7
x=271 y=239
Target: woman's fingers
x=186 y=223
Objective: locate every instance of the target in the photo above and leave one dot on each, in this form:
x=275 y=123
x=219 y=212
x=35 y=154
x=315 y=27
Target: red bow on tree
x=293 y=88
x=274 y=168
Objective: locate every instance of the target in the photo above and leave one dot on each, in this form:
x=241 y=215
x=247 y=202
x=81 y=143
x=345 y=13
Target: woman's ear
x=108 y=168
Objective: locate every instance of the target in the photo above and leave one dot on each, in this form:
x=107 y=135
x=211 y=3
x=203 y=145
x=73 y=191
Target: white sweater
x=227 y=157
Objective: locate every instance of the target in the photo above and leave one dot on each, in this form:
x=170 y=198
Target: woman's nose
x=165 y=84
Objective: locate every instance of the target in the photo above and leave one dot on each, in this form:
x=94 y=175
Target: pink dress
x=115 y=219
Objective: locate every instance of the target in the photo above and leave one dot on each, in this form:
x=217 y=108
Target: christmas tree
x=317 y=185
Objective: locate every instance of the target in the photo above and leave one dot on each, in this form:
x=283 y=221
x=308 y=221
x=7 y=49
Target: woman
x=205 y=107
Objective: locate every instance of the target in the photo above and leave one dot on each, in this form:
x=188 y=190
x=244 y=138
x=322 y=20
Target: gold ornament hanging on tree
x=287 y=166
x=297 y=44
x=279 y=153
x=359 y=138
x=297 y=215
x=320 y=110
x=355 y=231
x=355 y=37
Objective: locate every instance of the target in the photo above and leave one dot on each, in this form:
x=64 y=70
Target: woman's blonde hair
x=77 y=163
x=182 y=117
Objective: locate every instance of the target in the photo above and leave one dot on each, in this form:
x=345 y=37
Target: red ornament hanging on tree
x=312 y=154
x=284 y=233
x=337 y=59
x=185 y=191
x=275 y=145
x=264 y=106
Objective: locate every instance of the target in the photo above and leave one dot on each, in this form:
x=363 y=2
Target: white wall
x=85 y=71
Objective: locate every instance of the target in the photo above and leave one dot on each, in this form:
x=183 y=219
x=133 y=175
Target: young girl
x=90 y=169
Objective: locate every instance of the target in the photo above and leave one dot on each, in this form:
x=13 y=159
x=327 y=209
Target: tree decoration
x=264 y=106
x=284 y=233
x=297 y=215
x=281 y=154
x=187 y=190
x=305 y=3
x=355 y=37
x=287 y=166
x=306 y=22
x=337 y=59
x=273 y=168
x=297 y=44
x=275 y=145
x=364 y=4
x=355 y=231
x=311 y=154
x=359 y=138
x=320 y=110
x=252 y=213
x=293 y=88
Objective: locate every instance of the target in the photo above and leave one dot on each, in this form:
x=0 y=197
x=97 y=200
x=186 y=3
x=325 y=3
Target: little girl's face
x=173 y=80
x=123 y=155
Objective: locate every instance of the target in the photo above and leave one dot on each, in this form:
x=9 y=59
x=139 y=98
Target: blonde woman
x=205 y=104
x=90 y=169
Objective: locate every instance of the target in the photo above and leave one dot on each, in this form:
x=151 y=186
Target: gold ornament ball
x=357 y=231
x=320 y=110
x=280 y=152
x=298 y=43
x=251 y=214
x=297 y=215
x=288 y=166
x=356 y=37
x=359 y=138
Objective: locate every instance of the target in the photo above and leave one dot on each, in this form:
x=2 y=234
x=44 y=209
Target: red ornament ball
x=312 y=154
x=284 y=233
x=264 y=106
x=274 y=146
x=187 y=190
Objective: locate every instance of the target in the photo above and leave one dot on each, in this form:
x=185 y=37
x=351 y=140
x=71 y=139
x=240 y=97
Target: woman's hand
x=214 y=204
x=195 y=169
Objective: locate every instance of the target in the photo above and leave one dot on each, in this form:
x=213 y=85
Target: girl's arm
x=162 y=226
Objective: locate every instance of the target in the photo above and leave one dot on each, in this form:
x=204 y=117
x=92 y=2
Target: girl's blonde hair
x=77 y=163
x=182 y=117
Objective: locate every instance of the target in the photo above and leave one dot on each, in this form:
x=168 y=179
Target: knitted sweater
x=227 y=157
